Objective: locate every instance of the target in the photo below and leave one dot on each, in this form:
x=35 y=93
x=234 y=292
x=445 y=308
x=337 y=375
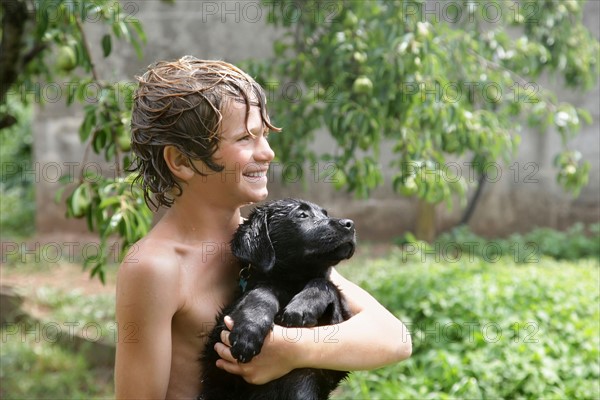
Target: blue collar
x=243 y=277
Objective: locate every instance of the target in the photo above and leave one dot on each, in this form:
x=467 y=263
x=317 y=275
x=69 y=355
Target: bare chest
x=205 y=288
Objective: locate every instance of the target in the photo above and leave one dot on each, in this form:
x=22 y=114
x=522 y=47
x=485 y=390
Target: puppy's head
x=293 y=238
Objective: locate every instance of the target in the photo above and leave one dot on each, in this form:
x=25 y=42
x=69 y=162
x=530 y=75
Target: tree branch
x=31 y=54
x=471 y=207
x=13 y=26
x=86 y=46
x=7 y=120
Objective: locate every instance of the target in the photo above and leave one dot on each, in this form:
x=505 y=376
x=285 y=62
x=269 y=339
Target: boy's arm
x=372 y=338
x=147 y=299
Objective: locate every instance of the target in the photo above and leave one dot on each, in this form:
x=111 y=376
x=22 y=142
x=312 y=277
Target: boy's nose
x=264 y=151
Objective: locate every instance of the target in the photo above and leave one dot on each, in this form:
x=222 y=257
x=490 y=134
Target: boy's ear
x=251 y=242
x=178 y=163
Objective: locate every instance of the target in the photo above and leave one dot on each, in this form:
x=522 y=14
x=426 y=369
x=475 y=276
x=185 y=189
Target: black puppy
x=289 y=247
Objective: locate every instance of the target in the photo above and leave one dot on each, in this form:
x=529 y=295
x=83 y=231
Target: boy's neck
x=200 y=222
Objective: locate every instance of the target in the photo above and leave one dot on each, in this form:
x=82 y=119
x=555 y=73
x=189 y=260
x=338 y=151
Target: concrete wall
x=524 y=196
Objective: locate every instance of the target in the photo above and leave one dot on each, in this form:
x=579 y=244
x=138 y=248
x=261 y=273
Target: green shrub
x=17 y=201
x=572 y=244
x=486 y=330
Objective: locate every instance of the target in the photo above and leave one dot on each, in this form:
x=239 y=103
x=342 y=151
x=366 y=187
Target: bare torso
x=207 y=279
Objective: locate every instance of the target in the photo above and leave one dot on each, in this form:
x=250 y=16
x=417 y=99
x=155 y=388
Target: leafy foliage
x=111 y=206
x=57 y=32
x=572 y=244
x=55 y=53
x=17 y=203
x=486 y=330
x=429 y=81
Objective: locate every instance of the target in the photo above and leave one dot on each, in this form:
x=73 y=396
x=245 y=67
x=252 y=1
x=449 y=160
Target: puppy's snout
x=347 y=223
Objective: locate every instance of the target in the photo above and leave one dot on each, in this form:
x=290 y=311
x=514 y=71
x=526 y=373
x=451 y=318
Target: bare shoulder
x=150 y=255
x=149 y=272
x=155 y=258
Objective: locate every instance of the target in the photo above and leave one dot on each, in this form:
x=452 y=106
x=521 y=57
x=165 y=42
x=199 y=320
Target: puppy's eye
x=302 y=214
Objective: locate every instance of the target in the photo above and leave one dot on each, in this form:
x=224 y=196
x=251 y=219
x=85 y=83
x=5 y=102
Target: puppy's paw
x=298 y=316
x=245 y=344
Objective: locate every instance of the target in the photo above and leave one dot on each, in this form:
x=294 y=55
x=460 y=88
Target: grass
x=35 y=368
x=479 y=330
x=486 y=330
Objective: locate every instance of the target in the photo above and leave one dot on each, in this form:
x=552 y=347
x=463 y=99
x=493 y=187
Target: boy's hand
x=275 y=359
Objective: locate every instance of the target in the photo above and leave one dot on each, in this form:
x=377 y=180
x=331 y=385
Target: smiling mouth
x=256 y=175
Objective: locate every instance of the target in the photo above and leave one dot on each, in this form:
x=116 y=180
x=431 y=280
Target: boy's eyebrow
x=263 y=131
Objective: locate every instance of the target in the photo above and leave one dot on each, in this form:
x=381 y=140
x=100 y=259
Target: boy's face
x=245 y=158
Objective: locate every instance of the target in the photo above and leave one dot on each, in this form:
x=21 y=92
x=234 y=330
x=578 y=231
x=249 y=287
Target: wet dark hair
x=180 y=103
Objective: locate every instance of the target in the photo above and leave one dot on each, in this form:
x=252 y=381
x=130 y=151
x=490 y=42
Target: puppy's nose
x=348 y=223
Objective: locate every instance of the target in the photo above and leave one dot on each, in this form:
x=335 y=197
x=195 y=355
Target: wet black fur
x=291 y=246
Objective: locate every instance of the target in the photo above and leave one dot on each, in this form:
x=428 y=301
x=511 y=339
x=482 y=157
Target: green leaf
x=137 y=27
x=106 y=45
x=137 y=47
x=585 y=115
x=89 y=121
x=109 y=201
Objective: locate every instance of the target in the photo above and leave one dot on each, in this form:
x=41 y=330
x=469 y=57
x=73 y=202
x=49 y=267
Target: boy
x=199 y=132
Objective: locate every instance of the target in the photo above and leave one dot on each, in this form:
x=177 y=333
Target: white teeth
x=256 y=174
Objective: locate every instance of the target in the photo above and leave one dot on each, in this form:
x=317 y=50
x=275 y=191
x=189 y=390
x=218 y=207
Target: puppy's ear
x=252 y=244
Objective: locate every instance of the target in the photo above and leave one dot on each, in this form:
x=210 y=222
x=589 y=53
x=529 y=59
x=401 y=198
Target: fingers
x=225 y=338
x=227 y=362
x=247 y=372
x=227 y=366
x=225 y=333
x=240 y=370
x=225 y=353
x=228 y=322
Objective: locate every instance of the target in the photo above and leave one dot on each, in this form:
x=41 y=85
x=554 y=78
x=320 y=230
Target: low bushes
x=575 y=243
x=486 y=330
x=483 y=325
